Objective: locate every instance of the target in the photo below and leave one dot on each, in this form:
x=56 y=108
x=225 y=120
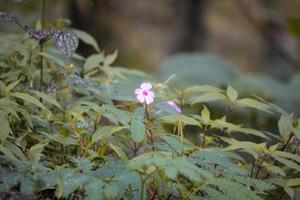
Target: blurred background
x=250 y=44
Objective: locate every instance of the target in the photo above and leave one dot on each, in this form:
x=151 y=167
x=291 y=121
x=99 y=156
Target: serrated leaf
x=232 y=94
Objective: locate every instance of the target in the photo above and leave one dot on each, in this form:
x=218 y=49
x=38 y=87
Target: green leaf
x=288 y=163
x=48 y=98
x=207 y=97
x=243 y=145
x=205 y=114
x=93 y=61
x=118 y=151
x=232 y=94
x=252 y=103
x=12 y=86
x=64 y=140
x=285 y=125
x=7 y=152
x=138 y=130
x=106 y=131
x=274 y=169
x=293 y=182
x=35 y=152
x=4 y=126
x=110 y=58
x=173 y=119
x=29 y=99
x=289 y=191
x=94 y=190
x=286 y=155
x=88 y=39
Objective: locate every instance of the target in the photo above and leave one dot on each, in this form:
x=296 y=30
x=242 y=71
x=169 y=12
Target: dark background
x=256 y=35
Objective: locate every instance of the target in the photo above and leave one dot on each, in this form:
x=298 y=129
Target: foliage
x=83 y=134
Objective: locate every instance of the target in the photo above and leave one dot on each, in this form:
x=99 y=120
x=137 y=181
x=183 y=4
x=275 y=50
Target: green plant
x=86 y=135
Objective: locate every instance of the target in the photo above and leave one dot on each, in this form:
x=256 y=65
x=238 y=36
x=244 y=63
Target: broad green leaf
x=88 y=39
x=252 y=103
x=29 y=99
x=207 y=97
x=47 y=98
x=64 y=140
x=7 y=152
x=93 y=61
x=285 y=126
x=110 y=58
x=173 y=119
x=94 y=190
x=288 y=163
x=286 y=155
x=12 y=86
x=119 y=151
x=205 y=114
x=293 y=182
x=274 y=169
x=232 y=94
x=35 y=152
x=4 y=126
x=202 y=89
x=289 y=191
x=105 y=131
x=244 y=145
x=138 y=130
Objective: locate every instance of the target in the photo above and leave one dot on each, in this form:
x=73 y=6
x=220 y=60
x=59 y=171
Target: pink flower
x=144 y=95
x=174 y=105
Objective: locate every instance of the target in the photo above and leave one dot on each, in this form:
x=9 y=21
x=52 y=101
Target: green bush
x=79 y=132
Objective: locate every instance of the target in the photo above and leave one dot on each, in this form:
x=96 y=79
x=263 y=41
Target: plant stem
x=149 y=124
x=41 y=67
x=252 y=168
x=43 y=18
x=285 y=145
x=142 y=189
x=259 y=167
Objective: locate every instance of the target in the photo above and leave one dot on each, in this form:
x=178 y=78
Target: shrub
x=73 y=128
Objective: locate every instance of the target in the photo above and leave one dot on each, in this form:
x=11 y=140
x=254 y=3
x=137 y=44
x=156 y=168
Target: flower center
x=145 y=93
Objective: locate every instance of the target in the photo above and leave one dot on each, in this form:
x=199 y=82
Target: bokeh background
x=250 y=44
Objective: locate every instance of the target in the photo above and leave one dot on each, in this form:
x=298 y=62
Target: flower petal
x=174 y=106
x=141 y=98
x=149 y=100
x=151 y=94
x=146 y=86
x=138 y=91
